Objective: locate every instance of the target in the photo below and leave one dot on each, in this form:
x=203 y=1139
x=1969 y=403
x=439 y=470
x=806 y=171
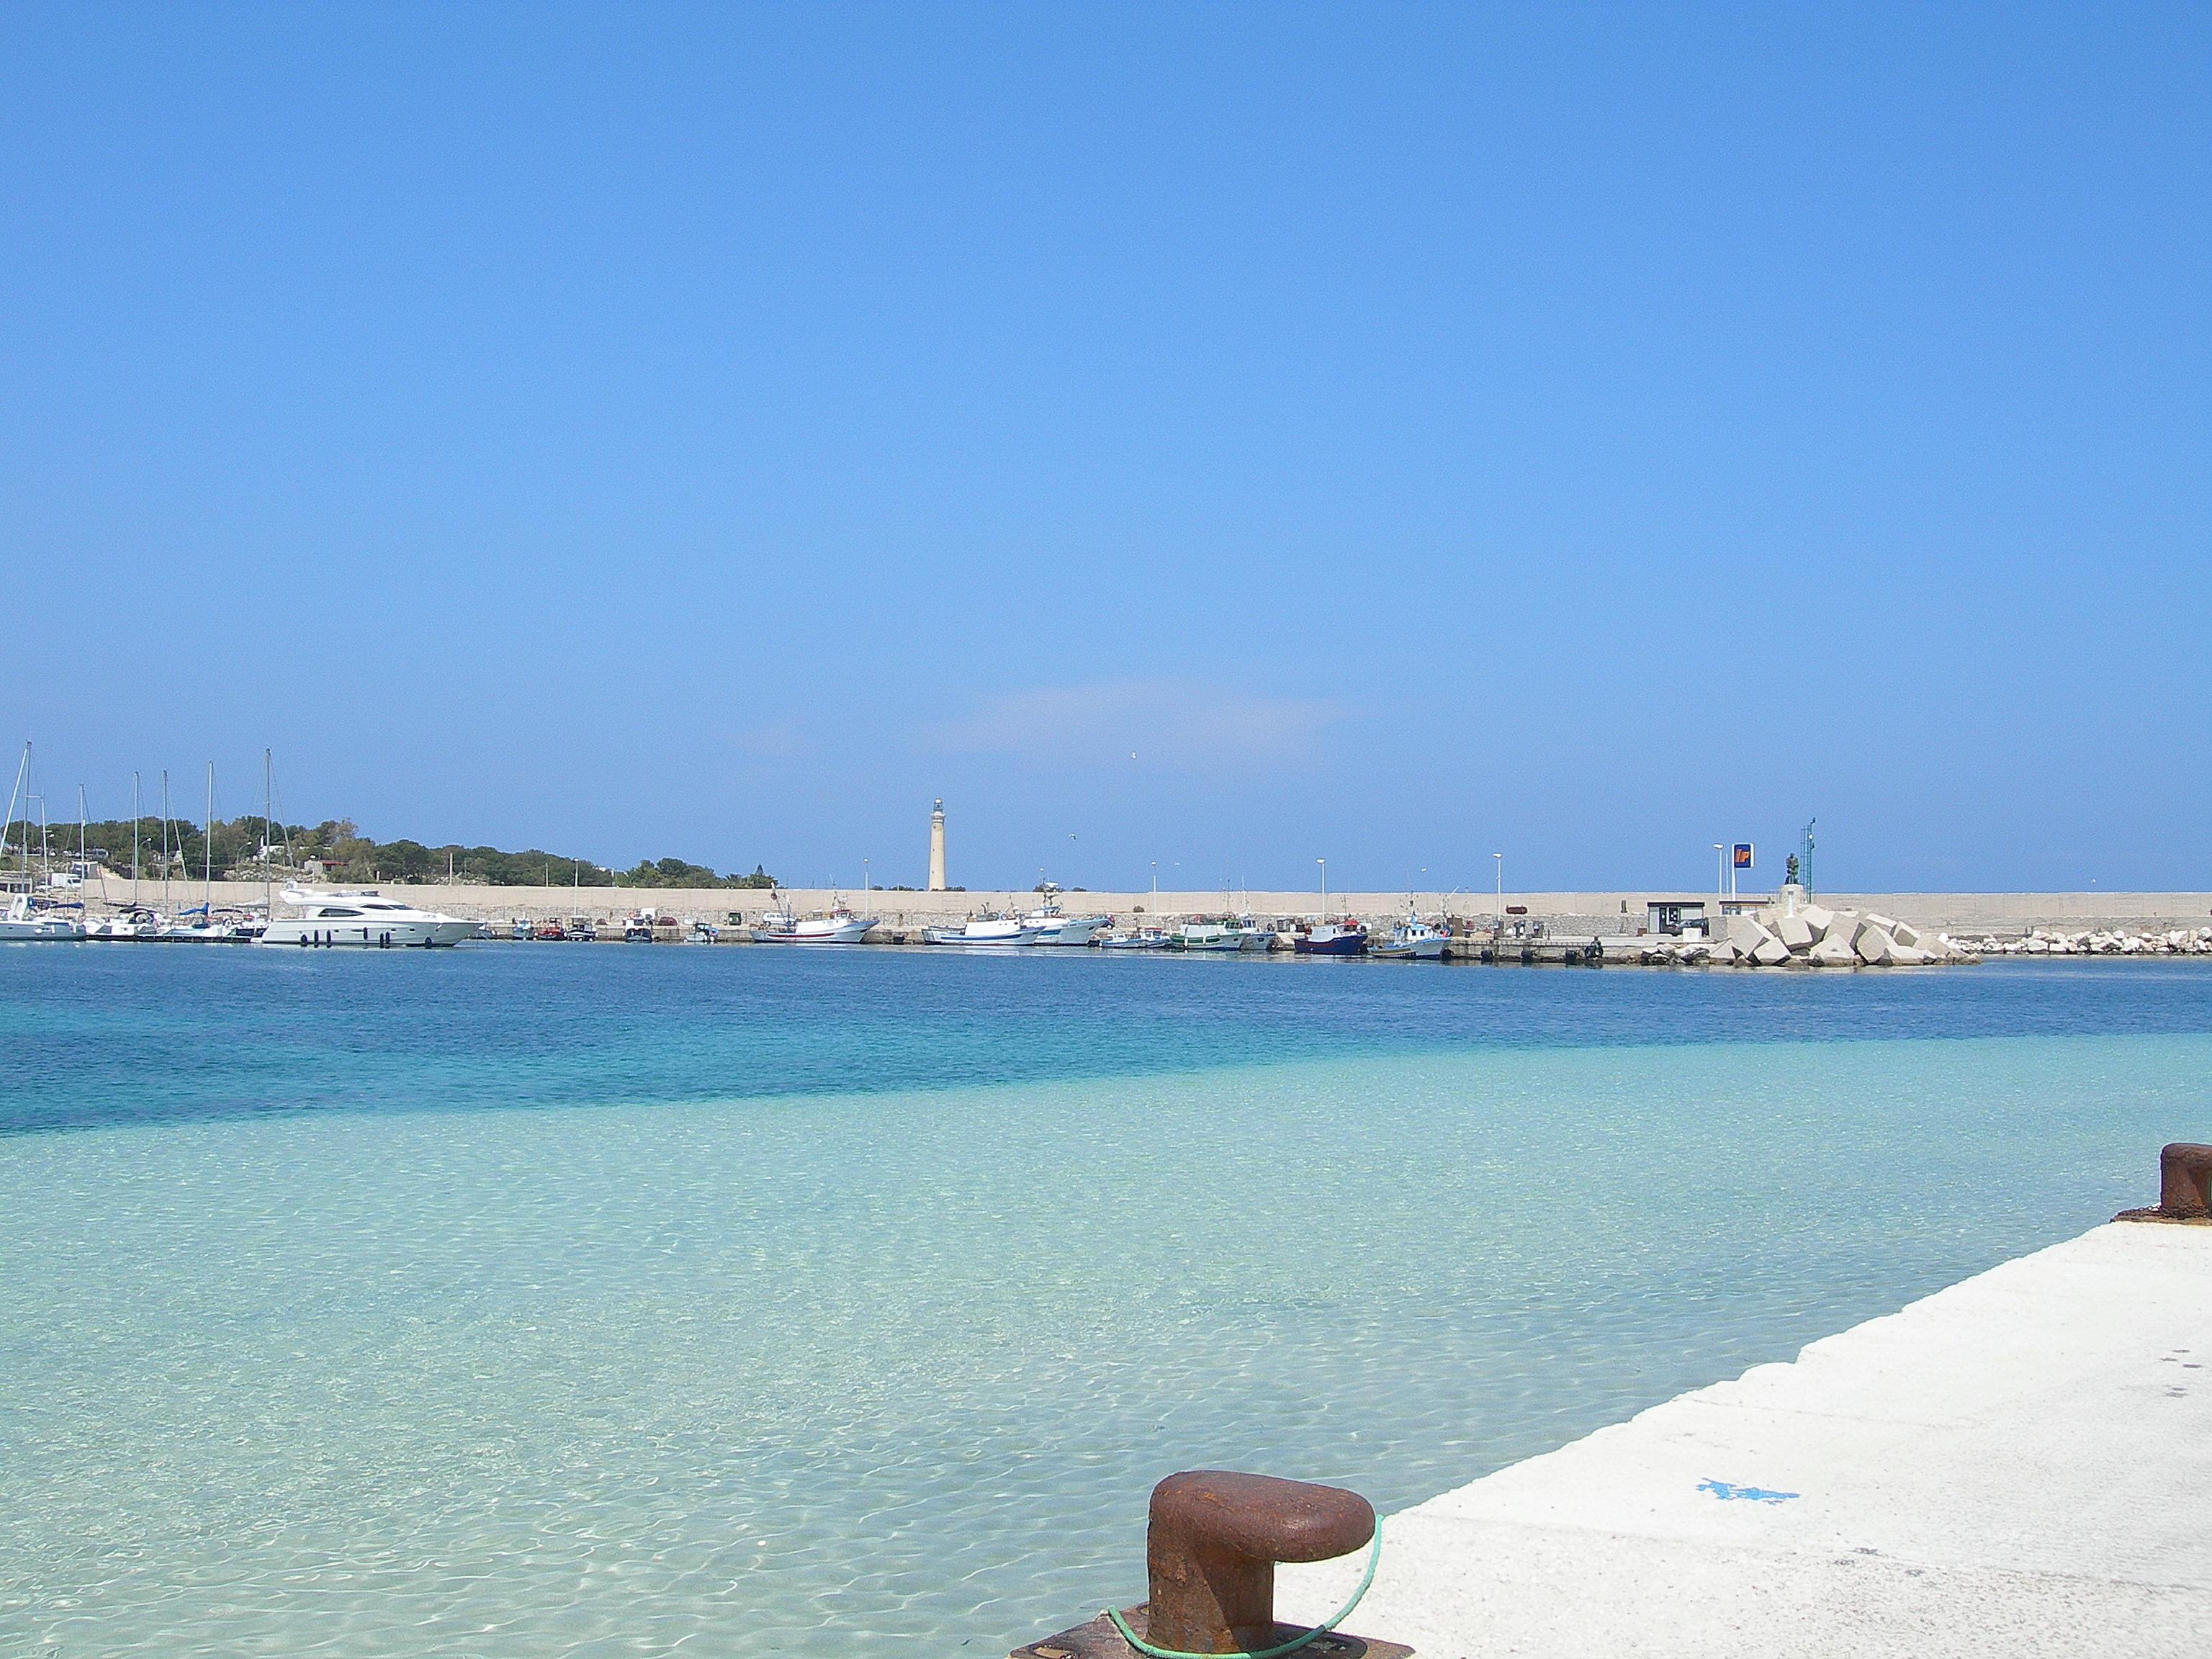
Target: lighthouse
x=937 y=848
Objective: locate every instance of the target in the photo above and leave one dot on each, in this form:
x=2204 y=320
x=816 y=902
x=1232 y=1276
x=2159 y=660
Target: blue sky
x=1225 y=436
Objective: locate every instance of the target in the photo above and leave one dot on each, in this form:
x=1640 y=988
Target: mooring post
x=1210 y=1556
x=2185 y=1182
x=2184 y=1185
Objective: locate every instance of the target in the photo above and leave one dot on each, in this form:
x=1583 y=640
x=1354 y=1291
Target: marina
x=1538 y=929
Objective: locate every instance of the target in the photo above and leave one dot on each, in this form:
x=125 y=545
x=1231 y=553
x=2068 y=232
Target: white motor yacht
x=361 y=920
x=26 y=919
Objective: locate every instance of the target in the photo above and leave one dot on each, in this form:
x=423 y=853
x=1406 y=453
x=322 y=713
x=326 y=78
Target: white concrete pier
x=2020 y=1464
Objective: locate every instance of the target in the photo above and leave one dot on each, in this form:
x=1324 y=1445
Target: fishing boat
x=1258 y=936
x=837 y=925
x=992 y=929
x=1411 y=940
x=1055 y=926
x=361 y=920
x=1143 y=938
x=1347 y=937
x=1225 y=934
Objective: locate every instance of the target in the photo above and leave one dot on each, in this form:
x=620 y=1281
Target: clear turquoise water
x=532 y=1300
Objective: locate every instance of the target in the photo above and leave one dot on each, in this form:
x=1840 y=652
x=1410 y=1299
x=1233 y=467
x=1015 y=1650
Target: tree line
x=247 y=849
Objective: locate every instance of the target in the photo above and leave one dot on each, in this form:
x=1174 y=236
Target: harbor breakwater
x=2067 y=923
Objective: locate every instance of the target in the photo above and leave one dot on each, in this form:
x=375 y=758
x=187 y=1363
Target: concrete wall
x=1622 y=912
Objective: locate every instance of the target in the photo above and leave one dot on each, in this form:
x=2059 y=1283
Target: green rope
x=1374 y=1559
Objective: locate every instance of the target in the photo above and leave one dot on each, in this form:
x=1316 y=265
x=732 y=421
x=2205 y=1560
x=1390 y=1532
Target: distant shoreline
x=1611 y=914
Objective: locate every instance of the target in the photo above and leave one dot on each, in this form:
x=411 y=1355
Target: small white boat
x=835 y=925
x=200 y=926
x=987 y=930
x=26 y=919
x=1055 y=926
x=1144 y=939
x=130 y=925
x=362 y=921
x=1412 y=939
x=1256 y=936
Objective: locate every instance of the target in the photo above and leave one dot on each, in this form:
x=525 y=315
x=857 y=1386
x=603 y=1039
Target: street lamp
x=1324 y=887
x=1720 y=870
x=1500 y=857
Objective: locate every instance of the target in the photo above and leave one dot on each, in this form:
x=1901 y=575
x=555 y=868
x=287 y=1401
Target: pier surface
x=2018 y=1465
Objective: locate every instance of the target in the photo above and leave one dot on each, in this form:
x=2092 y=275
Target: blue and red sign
x=1743 y=855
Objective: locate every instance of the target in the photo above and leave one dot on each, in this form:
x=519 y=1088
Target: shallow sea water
x=523 y=1301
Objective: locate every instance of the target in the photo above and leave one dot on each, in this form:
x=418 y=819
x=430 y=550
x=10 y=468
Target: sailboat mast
x=165 y=838
x=134 y=841
x=268 y=830
x=207 y=853
x=22 y=772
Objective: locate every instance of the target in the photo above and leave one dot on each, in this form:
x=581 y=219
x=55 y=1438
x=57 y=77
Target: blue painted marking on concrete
x=1725 y=1489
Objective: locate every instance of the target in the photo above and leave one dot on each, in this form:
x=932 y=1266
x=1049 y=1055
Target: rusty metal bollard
x=1210 y=1558
x=2185 y=1186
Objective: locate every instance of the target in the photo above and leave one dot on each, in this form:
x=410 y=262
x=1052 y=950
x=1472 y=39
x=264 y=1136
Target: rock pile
x=2100 y=942
x=1796 y=933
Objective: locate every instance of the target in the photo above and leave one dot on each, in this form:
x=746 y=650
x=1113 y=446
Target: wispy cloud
x=775 y=739
x=1168 y=723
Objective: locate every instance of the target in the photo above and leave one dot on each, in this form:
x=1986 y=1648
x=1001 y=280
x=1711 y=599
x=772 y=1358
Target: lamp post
x=1720 y=870
x=1324 y=887
x=1500 y=857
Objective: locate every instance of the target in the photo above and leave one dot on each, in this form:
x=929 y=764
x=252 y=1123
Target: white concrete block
x=1833 y=953
x=1770 y=953
x=1874 y=945
x=1795 y=932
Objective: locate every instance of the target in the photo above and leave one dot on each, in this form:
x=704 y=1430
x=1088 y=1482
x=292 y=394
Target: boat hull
x=991 y=939
x=851 y=932
x=311 y=933
x=1344 y=945
x=1072 y=931
x=45 y=928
